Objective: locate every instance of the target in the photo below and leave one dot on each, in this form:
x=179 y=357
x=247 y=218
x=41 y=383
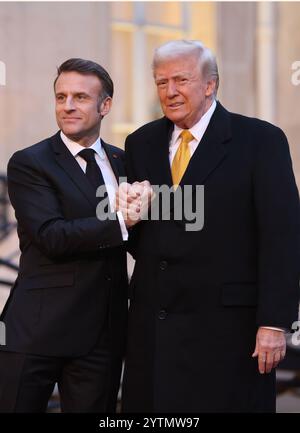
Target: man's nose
x=171 y=89
x=69 y=104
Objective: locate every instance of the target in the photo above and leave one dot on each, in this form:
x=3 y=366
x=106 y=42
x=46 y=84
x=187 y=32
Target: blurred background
x=257 y=45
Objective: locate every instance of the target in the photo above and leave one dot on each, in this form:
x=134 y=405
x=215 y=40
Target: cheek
x=195 y=100
x=58 y=113
x=60 y=109
x=162 y=98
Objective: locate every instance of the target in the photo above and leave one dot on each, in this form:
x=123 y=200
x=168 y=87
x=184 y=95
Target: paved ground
x=289 y=402
x=288 y=397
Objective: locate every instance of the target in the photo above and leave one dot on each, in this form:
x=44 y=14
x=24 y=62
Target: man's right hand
x=134 y=201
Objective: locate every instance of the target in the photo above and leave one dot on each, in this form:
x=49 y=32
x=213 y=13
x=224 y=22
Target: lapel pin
x=115 y=155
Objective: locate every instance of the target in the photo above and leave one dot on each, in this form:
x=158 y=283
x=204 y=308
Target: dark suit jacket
x=197 y=298
x=73 y=266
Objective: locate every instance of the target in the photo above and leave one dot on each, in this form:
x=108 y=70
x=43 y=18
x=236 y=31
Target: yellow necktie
x=182 y=157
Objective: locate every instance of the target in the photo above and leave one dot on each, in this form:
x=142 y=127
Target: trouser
x=86 y=384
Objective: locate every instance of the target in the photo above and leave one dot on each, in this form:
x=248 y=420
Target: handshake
x=134 y=201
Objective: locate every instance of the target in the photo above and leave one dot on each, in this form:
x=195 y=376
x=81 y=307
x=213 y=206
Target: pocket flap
x=50 y=280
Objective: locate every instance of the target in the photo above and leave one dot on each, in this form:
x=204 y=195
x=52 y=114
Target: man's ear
x=105 y=106
x=210 y=87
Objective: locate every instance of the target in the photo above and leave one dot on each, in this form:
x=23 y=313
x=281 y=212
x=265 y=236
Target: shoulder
x=255 y=126
x=151 y=128
x=34 y=152
x=259 y=135
x=114 y=149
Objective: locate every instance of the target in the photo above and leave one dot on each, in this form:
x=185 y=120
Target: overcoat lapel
x=158 y=154
x=211 y=150
x=210 y=153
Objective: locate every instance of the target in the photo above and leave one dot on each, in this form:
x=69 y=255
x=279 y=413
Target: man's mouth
x=175 y=105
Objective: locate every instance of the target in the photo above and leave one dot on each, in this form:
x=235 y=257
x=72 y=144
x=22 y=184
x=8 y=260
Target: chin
x=70 y=131
x=175 y=116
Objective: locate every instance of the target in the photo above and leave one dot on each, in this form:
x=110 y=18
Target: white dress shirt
x=107 y=172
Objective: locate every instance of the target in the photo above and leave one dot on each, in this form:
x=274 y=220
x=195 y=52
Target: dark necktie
x=182 y=157
x=93 y=172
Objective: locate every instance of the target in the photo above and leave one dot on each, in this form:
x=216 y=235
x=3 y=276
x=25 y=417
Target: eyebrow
x=74 y=94
x=177 y=75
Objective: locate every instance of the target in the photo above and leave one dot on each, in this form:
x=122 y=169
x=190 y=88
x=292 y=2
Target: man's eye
x=80 y=97
x=161 y=84
x=60 y=98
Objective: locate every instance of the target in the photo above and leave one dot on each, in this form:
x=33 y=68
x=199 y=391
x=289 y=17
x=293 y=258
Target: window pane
x=163 y=13
x=122 y=11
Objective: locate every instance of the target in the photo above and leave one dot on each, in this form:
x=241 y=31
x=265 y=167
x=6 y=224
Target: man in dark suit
x=66 y=314
x=209 y=307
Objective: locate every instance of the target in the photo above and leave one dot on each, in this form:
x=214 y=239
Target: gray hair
x=207 y=61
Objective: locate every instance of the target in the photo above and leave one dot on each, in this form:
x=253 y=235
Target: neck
x=206 y=107
x=85 y=141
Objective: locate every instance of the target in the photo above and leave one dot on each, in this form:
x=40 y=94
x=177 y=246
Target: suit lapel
x=115 y=160
x=211 y=150
x=69 y=164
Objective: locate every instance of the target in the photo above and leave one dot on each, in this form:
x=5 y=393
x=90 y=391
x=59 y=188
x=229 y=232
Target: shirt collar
x=75 y=148
x=199 y=128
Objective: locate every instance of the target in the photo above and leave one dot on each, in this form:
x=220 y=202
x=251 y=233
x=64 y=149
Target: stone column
x=288 y=93
x=266 y=62
x=236 y=55
x=139 y=65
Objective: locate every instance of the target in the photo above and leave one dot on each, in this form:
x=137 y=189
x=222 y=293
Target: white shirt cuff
x=122 y=226
x=273 y=328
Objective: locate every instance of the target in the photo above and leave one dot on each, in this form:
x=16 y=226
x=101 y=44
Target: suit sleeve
x=38 y=212
x=133 y=233
x=278 y=224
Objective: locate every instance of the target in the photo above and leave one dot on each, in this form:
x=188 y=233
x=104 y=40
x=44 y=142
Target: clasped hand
x=133 y=200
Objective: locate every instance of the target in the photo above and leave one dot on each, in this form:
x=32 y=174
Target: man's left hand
x=270 y=349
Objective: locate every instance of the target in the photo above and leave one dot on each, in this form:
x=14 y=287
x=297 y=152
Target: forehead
x=177 y=65
x=76 y=82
